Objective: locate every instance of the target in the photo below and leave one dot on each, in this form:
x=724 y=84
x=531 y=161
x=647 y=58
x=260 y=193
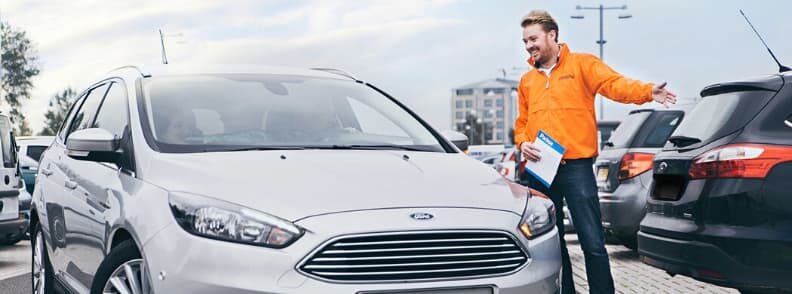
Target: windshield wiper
x=372 y=147
x=608 y=144
x=255 y=148
x=682 y=141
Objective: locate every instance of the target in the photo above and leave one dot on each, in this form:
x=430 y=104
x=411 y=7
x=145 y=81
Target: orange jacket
x=563 y=104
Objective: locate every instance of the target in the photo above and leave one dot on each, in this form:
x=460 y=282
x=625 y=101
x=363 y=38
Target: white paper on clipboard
x=551 y=152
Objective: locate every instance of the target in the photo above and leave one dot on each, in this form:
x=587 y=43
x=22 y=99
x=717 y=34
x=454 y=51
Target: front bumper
x=207 y=266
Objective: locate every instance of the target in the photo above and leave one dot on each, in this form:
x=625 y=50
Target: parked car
x=519 y=174
x=493 y=159
x=508 y=164
x=605 y=129
x=270 y=180
x=720 y=208
x=13 y=207
x=624 y=169
x=30 y=149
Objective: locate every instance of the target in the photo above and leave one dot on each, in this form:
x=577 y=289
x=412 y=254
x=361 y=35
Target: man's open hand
x=662 y=95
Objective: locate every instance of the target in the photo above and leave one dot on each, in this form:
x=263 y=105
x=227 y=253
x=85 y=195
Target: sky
x=417 y=50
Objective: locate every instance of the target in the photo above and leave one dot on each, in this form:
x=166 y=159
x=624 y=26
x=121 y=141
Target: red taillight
x=739 y=161
x=634 y=164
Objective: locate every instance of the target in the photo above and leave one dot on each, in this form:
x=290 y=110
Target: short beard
x=544 y=57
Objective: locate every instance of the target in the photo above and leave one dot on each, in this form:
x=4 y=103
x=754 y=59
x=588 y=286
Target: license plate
x=602 y=174
x=484 y=290
x=10 y=208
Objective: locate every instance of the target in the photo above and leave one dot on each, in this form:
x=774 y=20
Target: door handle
x=99 y=205
x=46 y=172
x=71 y=185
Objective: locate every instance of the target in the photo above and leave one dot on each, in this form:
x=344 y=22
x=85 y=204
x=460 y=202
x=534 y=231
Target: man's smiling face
x=539 y=43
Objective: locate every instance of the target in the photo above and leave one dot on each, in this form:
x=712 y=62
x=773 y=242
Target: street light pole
x=601 y=40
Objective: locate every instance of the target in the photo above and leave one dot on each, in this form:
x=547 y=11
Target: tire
x=629 y=241
x=125 y=252
x=36 y=242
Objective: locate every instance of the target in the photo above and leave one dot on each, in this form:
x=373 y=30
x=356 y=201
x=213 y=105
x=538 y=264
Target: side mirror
x=457 y=138
x=93 y=144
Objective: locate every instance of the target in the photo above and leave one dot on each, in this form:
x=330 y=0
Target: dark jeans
x=575 y=182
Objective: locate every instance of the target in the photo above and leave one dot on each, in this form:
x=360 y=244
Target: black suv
x=720 y=207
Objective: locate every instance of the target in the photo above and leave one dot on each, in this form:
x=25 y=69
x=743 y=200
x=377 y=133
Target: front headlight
x=539 y=217
x=220 y=220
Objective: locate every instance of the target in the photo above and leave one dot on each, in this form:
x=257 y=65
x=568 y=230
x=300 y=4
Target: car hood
x=296 y=184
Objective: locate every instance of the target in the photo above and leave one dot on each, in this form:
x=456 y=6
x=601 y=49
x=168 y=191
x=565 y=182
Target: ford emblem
x=422 y=216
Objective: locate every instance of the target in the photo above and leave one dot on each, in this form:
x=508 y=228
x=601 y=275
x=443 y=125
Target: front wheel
x=42 y=277
x=123 y=271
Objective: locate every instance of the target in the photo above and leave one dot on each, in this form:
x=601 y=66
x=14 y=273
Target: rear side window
x=719 y=115
x=86 y=114
x=656 y=130
x=623 y=135
x=67 y=122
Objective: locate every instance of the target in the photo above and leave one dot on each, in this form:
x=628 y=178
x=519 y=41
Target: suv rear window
x=646 y=129
x=623 y=135
x=719 y=115
x=657 y=128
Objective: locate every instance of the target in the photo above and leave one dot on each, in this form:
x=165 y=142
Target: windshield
x=199 y=113
x=719 y=115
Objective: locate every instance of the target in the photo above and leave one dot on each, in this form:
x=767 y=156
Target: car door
x=96 y=187
x=49 y=191
x=79 y=222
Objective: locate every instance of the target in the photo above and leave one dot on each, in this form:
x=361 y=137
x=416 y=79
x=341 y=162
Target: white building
x=493 y=101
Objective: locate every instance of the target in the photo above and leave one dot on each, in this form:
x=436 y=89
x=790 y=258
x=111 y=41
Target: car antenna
x=781 y=67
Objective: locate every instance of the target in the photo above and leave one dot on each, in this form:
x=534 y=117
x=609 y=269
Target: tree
x=57 y=111
x=17 y=69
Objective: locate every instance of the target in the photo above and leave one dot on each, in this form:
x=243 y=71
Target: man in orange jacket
x=557 y=97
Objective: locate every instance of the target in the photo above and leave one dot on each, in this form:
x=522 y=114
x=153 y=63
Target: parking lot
x=631 y=276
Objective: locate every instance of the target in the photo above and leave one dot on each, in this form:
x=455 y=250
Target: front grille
x=415 y=256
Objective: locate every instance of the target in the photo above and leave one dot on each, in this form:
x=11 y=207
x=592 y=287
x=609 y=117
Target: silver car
x=624 y=169
x=272 y=180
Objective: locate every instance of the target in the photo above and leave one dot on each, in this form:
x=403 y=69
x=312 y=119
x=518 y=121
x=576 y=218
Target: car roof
x=190 y=69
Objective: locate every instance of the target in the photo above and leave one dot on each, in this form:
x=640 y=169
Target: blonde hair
x=542 y=18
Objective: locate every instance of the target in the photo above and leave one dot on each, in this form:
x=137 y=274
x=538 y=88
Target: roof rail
x=136 y=68
x=337 y=72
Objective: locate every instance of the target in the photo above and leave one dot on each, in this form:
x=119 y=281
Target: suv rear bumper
x=623 y=210
x=14 y=228
x=707 y=262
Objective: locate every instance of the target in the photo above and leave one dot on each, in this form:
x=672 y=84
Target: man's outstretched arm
x=602 y=79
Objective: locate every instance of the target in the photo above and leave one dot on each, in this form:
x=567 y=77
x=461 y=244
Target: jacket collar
x=562 y=54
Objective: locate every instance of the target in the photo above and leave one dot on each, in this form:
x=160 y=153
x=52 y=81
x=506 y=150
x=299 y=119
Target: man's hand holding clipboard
x=543 y=157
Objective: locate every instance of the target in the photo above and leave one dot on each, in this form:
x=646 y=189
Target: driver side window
x=113 y=115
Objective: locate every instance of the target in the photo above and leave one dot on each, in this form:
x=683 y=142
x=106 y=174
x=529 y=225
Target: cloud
x=79 y=40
